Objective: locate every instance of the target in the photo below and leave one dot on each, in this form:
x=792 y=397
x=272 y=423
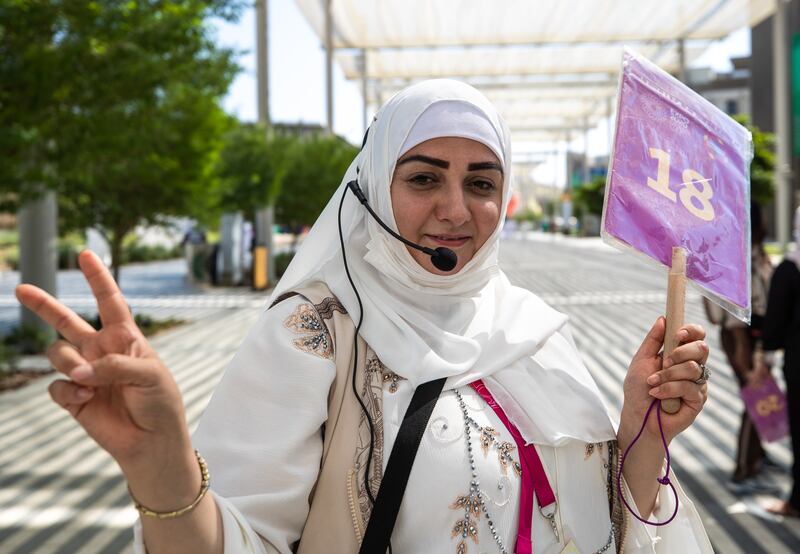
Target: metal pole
x=780 y=85
x=264 y=216
x=364 y=77
x=682 y=60
x=262 y=14
x=609 y=130
x=585 y=150
x=38 y=257
x=329 y=64
x=568 y=172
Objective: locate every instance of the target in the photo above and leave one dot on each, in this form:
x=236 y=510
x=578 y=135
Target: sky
x=297 y=77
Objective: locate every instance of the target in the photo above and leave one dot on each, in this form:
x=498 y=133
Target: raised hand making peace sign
x=118 y=388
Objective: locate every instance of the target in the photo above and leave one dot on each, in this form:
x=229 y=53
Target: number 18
x=689 y=192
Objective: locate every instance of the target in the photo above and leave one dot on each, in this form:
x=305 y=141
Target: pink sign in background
x=679 y=176
x=766 y=406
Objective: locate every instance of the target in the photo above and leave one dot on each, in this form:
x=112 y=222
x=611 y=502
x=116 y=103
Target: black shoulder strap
x=398 y=468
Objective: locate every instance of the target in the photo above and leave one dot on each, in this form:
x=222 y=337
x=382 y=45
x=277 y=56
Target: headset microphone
x=442 y=258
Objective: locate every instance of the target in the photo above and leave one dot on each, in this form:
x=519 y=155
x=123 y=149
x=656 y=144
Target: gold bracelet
x=176 y=513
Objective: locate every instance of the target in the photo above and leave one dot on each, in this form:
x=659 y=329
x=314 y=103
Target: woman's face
x=447 y=192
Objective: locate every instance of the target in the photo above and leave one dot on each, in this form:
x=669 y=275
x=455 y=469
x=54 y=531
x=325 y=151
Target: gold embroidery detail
x=465 y=527
x=351 y=479
x=329 y=305
x=619 y=515
x=372 y=395
x=374 y=365
x=467 y=503
x=314 y=337
x=591 y=448
x=504 y=450
x=486 y=438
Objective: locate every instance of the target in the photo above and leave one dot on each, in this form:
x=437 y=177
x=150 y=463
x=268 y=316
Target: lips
x=449 y=240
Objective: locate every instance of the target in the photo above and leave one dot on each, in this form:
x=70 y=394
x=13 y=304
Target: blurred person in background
x=781 y=330
x=739 y=340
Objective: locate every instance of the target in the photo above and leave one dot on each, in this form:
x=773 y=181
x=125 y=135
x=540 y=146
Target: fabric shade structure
x=436 y=23
x=549 y=65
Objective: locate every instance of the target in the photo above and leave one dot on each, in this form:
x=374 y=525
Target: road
x=60 y=493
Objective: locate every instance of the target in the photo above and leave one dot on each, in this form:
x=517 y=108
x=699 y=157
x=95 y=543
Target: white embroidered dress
x=261 y=438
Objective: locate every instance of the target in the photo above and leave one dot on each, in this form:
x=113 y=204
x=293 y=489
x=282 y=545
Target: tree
x=320 y=163
x=762 y=182
x=127 y=123
x=589 y=197
x=252 y=167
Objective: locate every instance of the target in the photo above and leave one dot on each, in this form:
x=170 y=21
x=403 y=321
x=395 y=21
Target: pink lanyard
x=532 y=469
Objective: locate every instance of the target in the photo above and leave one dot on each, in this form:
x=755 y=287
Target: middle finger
x=695 y=350
x=64 y=357
x=687 y=371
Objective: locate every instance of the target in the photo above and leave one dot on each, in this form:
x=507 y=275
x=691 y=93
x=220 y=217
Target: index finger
x=111 y=304
x=693 y=332
x=652 y=343
x=66 y=322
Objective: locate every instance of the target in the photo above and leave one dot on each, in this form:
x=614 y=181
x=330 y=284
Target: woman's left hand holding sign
x=648 y=379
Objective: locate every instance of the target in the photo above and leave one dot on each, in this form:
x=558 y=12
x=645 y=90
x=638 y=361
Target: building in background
x=730 y=92
x=761 y=87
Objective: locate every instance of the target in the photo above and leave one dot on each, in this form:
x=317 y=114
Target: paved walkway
x=60 y=493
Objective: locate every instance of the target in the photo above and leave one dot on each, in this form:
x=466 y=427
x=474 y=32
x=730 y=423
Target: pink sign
x=766 y=406
x=679 y=176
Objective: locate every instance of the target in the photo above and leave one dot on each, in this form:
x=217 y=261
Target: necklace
x=473 y=503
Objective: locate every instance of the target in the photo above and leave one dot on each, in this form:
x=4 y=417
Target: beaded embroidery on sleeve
x=314 y=337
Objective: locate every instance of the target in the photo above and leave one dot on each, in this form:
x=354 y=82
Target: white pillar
x=229 y=261
x=264 y=216
x=364 y=91
x=38 y=252
x=780 y=85
x=329 y=64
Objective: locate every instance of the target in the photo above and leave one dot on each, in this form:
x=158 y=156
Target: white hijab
x=469 y=325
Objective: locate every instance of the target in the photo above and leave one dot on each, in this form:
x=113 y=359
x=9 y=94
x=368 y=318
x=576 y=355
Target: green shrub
x=282 y=262
x=8 y=358
x=67 y=256
x=147 y=324
x=136 y=252
x=26 y=339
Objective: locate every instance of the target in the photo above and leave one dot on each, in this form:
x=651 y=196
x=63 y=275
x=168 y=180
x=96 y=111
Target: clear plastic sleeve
x=679 y=175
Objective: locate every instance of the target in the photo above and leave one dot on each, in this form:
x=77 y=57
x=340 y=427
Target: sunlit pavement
x=60 y=493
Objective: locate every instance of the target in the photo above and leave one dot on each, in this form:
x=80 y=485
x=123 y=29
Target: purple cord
x=662 y=480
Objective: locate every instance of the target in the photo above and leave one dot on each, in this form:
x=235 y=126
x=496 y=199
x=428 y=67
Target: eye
x=421 y=179
x=483 y=185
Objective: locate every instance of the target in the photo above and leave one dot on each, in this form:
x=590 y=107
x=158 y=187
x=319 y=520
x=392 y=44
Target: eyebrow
x=444 y=164
x=484 y=165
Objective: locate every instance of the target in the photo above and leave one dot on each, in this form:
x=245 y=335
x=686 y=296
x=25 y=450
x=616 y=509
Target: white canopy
x=549 y=65
x=429 y=23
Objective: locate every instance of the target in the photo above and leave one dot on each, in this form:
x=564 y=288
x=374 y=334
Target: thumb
x=652 y=343
x=118 y=369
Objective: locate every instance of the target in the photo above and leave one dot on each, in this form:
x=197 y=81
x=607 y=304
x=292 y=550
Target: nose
x=451 y=205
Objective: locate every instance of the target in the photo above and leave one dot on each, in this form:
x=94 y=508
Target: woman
x=739 y=341
x=782 y=330
x=295 y=461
